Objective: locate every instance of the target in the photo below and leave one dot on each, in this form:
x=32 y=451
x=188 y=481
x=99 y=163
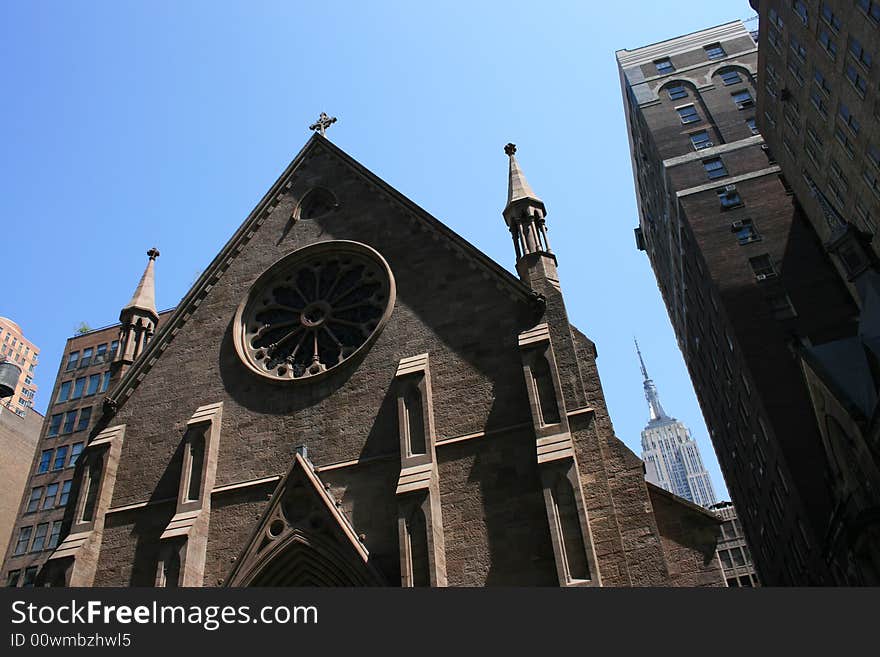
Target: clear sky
x=127 y=125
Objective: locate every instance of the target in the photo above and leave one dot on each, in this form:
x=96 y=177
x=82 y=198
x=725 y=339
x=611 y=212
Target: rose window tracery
x=314 y=309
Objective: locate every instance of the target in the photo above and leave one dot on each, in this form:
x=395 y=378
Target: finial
x=153 y=253
x=323 y=123
x=510 y=149
x=641 y=360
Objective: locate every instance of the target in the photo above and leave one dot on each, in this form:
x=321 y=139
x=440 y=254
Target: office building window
x=714 y=51
x=762 y=266
x=745 y=230
x=743 y=99
x=106 y=382
x=858 y=51
x=40 y=537
x=51 y=494
x=797 y=48
x=69 y=421
x=60 y=457
x=664 y=65
x=85 y=415
x=844 y=141
x=54 y=425
x=828 y=43
x=34 y=500
x=65 y=492
x=45 y=460
x=94 y=383
x=818 y=101
x=24 y=539
x=871 y=9
x=753 y=126
x=700 y=140
x=12 y=578
x=859 y=83
x=714 y=168
x=75 y=450
x=72 y=360
x=54 y=535
x=830 y=18
x=688 y=114
x=730 y=77
x=800 y=9
x=677 y=91
x=729 y=198
x=100 y=354
x=114 y=347
x=86 y=359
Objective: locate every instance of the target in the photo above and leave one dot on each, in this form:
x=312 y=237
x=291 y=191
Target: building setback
x=91 y=361
x=24 y=353
x=819 y=110
x=741 y=271
x=671 y=455
x=362 y=397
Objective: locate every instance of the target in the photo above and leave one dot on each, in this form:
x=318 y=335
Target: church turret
x=138 y=317
x=524 y=215
x=651 y=394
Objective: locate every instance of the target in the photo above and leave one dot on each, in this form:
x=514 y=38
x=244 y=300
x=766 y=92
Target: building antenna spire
x=651 y=394
x=641 y=361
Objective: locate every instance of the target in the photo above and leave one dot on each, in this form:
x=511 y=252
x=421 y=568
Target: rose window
x=313 y=309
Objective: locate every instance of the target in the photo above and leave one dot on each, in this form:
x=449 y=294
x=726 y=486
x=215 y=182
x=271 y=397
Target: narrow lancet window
x=415 y=419
x=92 y=485
x=546 y=393
x=196 y=460
x=417 y=535
x=569 y=526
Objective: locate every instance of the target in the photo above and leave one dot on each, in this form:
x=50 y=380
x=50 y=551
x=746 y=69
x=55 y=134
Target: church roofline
x=166 y=332
x=655 y=489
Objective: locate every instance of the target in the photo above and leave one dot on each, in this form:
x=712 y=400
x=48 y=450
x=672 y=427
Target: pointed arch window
x=542 y=379
x=417 y=542
x=569 y=528
x=92 y=485
x=415 y=419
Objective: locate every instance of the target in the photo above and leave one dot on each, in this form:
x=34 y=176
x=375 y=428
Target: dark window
x=65 y=492
x=40 y=537
x=829 y=16
x=753 y=126
x=417 y=532
x=763 y=267
x=100 y=354
x=858 y=82
x=797 y=48
x=700 y=140
x=745 y=230
x=196 y=462
x=822 y=81
x=85 y=415
x=55 y=534
x=714 y=51
x=60 y=457
x=858 y=51
x=544 y=389
x=12 y=578
x=664 y=65
x=730 y=77
x=78 y=388
x=714 y=168
x=64 y=391
x=45 y=460
x=105 y=382
x=871 y=9
x=828 y=43
x=743 y=99
x=55 y=424
x=69 y=421
x=801 y=10
x=75 y=450
x=86 y=359
x=849 y=119
x=30 y=576
x=72 y=360
x=24 y=539
x=94 y=382
x=94 y=480
x=51 y=493
x=114 y=347
x=415 y=423
x=688 y=114
x=34 y=500
x=874 y=155
x=677 y=91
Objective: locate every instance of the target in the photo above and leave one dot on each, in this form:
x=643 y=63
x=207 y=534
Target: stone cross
x=323 y=123
x=153 y=253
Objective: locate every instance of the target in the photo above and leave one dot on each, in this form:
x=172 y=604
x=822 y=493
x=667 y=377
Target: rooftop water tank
x=9 y=373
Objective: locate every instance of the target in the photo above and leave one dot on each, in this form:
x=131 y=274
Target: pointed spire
x=518 y=187
x=651 y=394
x=144 y=297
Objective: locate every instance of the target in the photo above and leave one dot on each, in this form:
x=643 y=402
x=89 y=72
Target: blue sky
x=127 y=125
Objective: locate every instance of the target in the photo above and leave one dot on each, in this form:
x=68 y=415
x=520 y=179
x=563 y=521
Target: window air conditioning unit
x=764 y=277
x=736 y=225
x=705 y=144
x=729 y=188
x=745 y=103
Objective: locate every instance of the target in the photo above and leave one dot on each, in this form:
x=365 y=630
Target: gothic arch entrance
x=303 y=539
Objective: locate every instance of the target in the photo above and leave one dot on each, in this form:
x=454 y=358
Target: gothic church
x=352 y=394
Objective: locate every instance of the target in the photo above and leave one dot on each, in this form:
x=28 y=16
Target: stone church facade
x=352 y=394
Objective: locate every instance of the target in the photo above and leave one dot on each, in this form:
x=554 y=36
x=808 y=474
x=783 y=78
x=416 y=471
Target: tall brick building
x=819 y=110
x=361 y=397
x=745 y=280
x=15 y=347
x=89 y=363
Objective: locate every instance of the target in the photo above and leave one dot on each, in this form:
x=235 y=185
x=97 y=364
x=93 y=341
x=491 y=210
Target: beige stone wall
x=18 y=442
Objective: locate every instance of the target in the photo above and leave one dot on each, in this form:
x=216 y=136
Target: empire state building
x=672 y=458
